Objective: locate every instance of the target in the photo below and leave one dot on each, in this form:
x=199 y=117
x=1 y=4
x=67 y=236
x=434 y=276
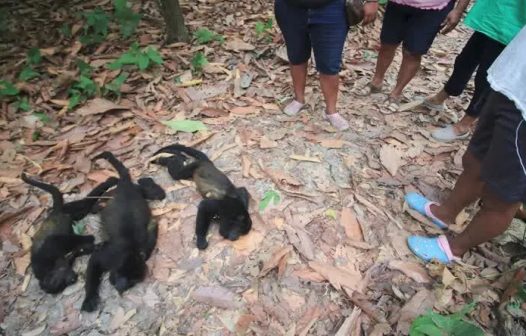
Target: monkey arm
x=151 y=238
x=81 y=208
x=99 y=262
x=180 y=171
x=207 y=209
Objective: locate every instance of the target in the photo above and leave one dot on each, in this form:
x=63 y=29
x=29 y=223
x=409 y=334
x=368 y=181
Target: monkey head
x=58 y=279
x=131 y=271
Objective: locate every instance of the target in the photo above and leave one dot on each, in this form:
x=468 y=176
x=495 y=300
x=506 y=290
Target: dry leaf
x=305 y=158
x=332 y=143
x=245 y=164
x=419 y=304
x=308 y=275
x=336 y=276
x=391 y=158
x=216 y=296
x=244 y=110
x=249 y=242
x=22 y=263
x=274 y=261
x=351 y=226
x=447 y=277
x=265 y=143
x=412 y=269
x=243 y=323
x=99 y=105
x=236 y=44
x=34 y=332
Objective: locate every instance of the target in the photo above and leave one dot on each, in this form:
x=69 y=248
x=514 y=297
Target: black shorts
x=415 y=27
x=499 y=142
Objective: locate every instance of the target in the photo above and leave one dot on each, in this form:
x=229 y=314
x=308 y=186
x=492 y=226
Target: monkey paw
x=202 y=243
x=90 y=304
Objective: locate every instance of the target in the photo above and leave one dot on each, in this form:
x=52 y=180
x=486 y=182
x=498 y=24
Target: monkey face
x=233 y=228
x=131 y=271
x=58 y=279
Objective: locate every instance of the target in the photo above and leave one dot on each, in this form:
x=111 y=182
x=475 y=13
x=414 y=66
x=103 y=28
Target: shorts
x=322 y=31
x=415 y=27
x=499 y=142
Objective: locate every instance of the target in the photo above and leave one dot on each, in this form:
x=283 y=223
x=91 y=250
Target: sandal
x=448 y=133
x=391 y=105
x=432 y=106
x=422 y=205
x=367 y=90
x=429 y=249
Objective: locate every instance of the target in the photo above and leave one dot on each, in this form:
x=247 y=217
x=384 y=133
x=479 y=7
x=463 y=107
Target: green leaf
x=154 y=55
x=199 y=61
x=204 y=36
x=27 y=74
x=115 y=85
x=36 y=135
x=143 y=62
x=8 y=89
x=75 y=98
x=260 y=28
x=331 y=213
x=95 y=27
x=79 y=228
x=127 y=18
x=23 y=104
x=269 y=196
x=84 y=68
x=33 y=56
x=65 y=30
x=433 y=324
x=43 y=117
x=188 y=126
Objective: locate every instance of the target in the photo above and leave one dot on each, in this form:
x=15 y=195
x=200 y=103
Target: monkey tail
x=177 y=148
x=58 y=200
x=119 y=167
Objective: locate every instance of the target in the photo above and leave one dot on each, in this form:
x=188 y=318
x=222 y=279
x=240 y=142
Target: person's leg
x=393 y=28
x=408 y=69
x=465 y=64
x=293 y=23
x=422 y=28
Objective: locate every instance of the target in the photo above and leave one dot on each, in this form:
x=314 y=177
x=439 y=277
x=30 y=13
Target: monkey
x=222 y=201
x=131 y=235
x=55 y=245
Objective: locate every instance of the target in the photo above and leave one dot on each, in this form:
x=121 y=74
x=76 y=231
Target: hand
x=451 y=21
x=369 y=12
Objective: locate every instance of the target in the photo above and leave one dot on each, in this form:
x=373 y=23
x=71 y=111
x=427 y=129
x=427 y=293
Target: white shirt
x=507 y=75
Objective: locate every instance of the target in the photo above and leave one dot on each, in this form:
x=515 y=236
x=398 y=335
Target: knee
x=407 y=54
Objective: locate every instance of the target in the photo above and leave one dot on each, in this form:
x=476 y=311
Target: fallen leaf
x=22 y=263
x=419 y=304
x=265 y=143
x=391 y=158
x=243 y=323
x=409 y=106
x=216 y=296
x=237 y=44
x=213 y=112
x=351 y=226
x=34 y=332
x=447 y=277
x=336 y=276
x=305 y=158
x=332 y=143
x=99 y=105
x=245 y=164
x=244 y=110
x=249 y=242
x=308 y=275
x=274 y=260
x=188 y=126
x=412 y=269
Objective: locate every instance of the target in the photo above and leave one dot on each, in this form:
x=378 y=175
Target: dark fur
x=222 y=200
x=131 y=231
x=55 y=245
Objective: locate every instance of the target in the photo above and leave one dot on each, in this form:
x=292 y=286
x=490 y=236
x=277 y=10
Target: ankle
x=300 y=100
x=456 y=249
x=377 y=82
x=441 y=213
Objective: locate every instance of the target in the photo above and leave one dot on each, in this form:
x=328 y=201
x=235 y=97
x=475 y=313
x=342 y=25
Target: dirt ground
x=329 y=258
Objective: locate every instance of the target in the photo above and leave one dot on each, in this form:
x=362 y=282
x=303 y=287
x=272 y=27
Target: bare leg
x=385 y=58
x=464 y=125
x=299 y=80
x=439 y=98
x=329 y=87
x=493 y=219
x=408 y=69
x=466 y=191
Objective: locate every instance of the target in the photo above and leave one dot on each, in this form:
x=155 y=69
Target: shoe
x=293 y=108
x=422 y=205
x=429 y=249
x=448 y=134
x=337 y=121
x=432 y=106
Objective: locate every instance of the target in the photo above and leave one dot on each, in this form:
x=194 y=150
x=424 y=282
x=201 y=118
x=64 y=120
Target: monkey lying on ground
x=222 y=200
x=55 y=245
x=132 y=235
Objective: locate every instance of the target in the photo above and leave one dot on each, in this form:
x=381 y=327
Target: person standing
x=495 y=24
x=414 y=24
x=319 y=26
x=494 y=165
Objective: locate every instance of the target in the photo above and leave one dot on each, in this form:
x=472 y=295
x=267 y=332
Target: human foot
x=369 y=89
x=337 y=121
x=293 y=108
x=450 y=133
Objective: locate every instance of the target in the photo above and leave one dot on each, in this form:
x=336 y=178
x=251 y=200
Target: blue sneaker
x=422 y=205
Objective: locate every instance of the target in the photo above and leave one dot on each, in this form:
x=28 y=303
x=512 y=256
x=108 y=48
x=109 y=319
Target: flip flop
x=391 y=105
x=422 y=205
x=293 y=108
x=367 y=90
x=447 y=134
x=429 y=249
x=433 y=106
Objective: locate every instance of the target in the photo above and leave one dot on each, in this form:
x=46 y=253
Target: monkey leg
x=99 y=262
x=207 y=209
x=151 y=238
x=81 y=208
x=180 y=171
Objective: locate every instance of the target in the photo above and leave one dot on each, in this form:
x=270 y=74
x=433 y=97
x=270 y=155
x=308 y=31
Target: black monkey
x=131 y=231
x=222 y=200
x=55 y=245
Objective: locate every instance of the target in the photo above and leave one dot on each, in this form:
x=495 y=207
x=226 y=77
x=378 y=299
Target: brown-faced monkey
x=131 y=231
x=222 y=201
x=55 y=245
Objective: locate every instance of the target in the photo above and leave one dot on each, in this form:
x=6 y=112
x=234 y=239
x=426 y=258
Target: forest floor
x=329 y=257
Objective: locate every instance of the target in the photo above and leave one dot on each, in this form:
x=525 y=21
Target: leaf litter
x=301 y=270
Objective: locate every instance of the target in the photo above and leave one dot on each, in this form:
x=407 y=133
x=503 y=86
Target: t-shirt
x=507 y=74
x=424 y=4
x=499 y=19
